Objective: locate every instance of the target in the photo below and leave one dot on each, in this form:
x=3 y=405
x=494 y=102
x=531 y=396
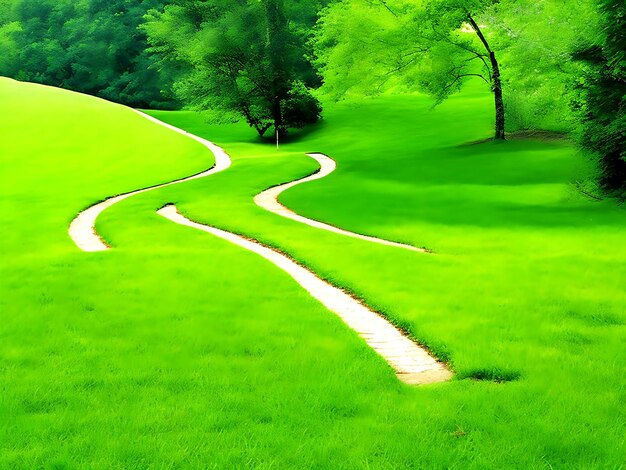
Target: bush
x=301 y=108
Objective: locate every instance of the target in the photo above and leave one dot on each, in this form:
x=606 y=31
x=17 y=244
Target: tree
x=495 y=79
x=431 y=46
x=91 y=46
x=245 y=58
x=602 y=102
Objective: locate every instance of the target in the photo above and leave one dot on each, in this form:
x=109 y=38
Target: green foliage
x=399 y=45
x=300 y=108
x=603 y=98
x=358 y=46
x=92 y=46
x=242 y=57
x=536 y=39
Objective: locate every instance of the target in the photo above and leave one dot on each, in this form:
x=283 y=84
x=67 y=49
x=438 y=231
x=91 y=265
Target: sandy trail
x=82 y=230
x=412 y=363
x=268 y=200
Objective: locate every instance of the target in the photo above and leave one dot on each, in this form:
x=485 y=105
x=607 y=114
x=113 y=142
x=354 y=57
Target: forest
x=552 y=66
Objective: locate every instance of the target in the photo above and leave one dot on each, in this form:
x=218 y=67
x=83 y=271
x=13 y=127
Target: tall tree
x=431 y=46
x=243 y=57
x=603 y=98
x=493 y=72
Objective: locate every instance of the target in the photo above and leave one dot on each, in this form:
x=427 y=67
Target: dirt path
x=412 y=363
x=268 y=200
x=82 y=230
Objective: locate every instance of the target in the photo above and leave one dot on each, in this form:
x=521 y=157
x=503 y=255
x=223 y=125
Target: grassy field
x=177 y=349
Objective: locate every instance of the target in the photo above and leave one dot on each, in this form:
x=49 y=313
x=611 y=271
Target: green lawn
x=179 y=350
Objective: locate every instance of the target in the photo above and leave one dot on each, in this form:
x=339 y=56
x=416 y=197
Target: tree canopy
x=241 y=57
x=91 y=46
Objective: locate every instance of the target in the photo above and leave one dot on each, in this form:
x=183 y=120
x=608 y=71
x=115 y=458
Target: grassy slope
x=177 y=348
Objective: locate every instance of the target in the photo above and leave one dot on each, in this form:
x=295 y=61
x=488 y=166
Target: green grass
x=177 y=349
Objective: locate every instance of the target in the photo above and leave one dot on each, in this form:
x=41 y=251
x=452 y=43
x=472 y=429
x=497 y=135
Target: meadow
x=178 y=350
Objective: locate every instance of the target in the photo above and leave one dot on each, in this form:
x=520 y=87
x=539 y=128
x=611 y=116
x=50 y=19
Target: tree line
x=549 y=64
x=91 y=46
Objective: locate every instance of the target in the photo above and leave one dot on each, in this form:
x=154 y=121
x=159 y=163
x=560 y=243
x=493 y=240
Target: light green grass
x=176 y=349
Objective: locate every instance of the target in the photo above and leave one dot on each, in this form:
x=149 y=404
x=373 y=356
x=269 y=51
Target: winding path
x=82 y=229
x=268 y=200
x=412 y=363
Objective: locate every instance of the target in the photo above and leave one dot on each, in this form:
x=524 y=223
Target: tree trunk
x=497 y=93
x=496 y=81
x=277 y=42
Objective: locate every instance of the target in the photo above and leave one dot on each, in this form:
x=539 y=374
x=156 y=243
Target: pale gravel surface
x=412 y=363
x=268 y=200
x=82 y=230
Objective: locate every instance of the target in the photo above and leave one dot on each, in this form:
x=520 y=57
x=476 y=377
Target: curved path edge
x=82 y=229
x=412 y=363
x=268 y=200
